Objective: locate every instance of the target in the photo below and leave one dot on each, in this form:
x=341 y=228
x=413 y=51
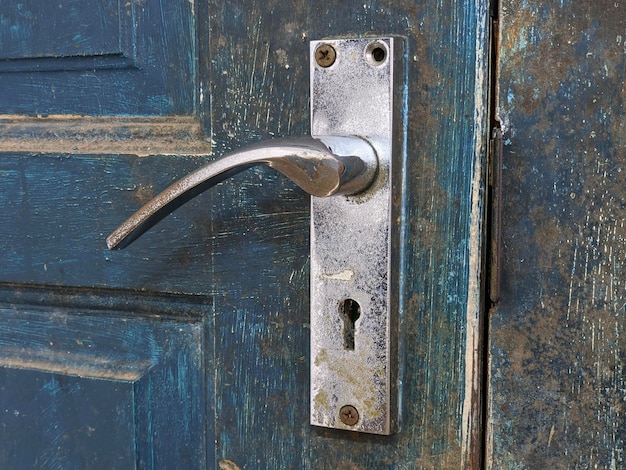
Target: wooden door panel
x=59 y=209
x=97 y=387
x=74 y=422
x=102 y=355
x=101 y=57
x=67 y=29
x=232 y=265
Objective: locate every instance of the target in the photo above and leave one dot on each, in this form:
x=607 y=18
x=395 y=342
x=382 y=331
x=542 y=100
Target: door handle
x=322 y=167
x=354 y=154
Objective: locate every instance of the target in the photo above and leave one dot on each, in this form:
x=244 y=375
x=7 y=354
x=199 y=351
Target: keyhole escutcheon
x=349 y=312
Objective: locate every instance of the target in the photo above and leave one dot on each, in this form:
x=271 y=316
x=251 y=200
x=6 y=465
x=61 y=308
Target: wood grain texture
x=259 y=90
x=557 y=337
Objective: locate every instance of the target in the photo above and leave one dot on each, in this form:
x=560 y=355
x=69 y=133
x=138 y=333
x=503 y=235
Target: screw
x=349 y=415
x=325 y=55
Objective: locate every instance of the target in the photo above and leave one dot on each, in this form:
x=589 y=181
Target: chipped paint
x=226 y=464
x=359 y=375
x=77 y=365
x=72 y=134
x=557 y=346
x=472 y=407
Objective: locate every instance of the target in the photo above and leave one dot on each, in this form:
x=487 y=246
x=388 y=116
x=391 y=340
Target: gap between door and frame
x=491 y=293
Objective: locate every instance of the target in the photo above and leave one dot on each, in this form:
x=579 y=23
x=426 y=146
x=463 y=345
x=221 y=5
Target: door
x=190 y=349
x=556 y=374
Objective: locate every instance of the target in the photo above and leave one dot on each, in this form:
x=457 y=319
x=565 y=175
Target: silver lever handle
x=326 y=166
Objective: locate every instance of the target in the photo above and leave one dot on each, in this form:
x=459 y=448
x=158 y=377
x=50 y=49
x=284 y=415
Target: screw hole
x=376 y=53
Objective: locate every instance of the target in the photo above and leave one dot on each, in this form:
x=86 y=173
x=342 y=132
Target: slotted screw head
x=325 y=55
x=349 y=415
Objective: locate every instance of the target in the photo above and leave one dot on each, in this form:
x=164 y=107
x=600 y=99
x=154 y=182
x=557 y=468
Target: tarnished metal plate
x=354 y=363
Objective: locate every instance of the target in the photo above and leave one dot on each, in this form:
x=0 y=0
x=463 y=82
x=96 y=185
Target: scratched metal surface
x=557 y=344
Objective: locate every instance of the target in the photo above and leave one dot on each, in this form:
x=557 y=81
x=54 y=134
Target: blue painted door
x=190 y=349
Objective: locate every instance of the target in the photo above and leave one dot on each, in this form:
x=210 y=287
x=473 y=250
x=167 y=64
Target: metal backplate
x=355 y=241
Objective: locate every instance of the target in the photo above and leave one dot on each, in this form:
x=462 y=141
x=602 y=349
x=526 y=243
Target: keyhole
x=349 y=312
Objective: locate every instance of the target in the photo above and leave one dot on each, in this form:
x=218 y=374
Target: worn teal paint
x=260 y=89
x=92 y=379
x=98 y=58
x=237 y=257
